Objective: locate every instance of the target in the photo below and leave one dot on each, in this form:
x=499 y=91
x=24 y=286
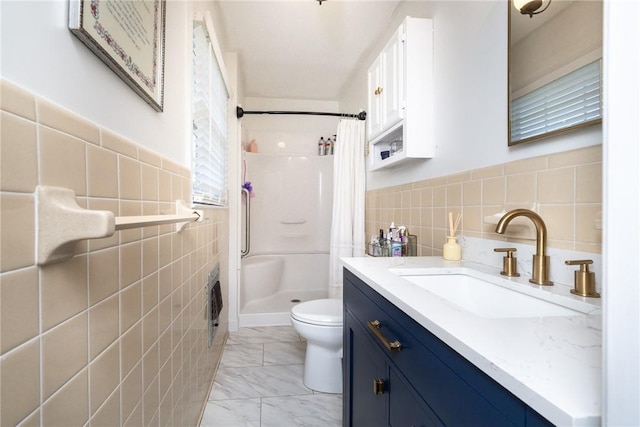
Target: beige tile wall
x=116 y=335
x=565 y=188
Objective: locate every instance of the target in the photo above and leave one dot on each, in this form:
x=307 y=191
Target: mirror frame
x=511 y=143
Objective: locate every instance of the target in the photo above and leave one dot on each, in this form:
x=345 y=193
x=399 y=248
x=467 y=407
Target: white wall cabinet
x=385 y=87
x=400 y=95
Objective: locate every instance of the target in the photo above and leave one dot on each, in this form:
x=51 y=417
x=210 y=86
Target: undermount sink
x=486 y=299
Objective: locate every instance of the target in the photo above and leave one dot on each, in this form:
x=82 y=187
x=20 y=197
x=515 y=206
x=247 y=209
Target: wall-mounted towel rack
x=62 y=223
x=126 y=222
x=362 y=115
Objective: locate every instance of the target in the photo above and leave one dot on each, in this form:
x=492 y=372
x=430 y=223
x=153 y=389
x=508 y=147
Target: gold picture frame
x=128 y=36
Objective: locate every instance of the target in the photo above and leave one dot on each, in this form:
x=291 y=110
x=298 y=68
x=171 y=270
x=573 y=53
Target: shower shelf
x=293 y=221
x=61 y=223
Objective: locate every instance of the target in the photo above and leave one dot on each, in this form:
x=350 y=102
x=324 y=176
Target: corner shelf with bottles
x=400 y=93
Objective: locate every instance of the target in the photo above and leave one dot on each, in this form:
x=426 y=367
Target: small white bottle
x=321 y=151
x=392 y=231
x=328 y=146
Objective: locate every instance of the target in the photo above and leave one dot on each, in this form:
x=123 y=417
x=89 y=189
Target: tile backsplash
x=564 y=188
x=116 y=335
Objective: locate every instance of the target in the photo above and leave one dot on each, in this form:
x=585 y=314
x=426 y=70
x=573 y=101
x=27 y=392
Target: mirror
x=555 y=62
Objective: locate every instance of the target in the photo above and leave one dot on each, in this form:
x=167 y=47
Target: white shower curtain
x=347 y=225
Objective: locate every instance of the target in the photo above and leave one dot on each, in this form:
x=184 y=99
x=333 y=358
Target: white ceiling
x=300 y=49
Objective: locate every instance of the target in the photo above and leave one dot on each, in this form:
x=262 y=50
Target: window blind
x=209 y=115
x=568 y=101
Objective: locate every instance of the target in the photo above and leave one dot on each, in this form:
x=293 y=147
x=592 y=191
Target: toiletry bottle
x=375 y=246
x=393 y=147
x=402 y=231
x=321 y=147
x=384 y=244
x=328 y=146
x=333 y=144
x=392 y=231
x=396 y=248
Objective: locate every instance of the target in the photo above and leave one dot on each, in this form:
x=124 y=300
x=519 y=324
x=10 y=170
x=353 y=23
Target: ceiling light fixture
x=529 y=7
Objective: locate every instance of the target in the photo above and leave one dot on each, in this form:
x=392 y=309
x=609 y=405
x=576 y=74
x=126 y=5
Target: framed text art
x=128 y=36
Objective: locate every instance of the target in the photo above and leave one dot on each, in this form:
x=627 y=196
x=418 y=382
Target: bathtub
x=271 y=284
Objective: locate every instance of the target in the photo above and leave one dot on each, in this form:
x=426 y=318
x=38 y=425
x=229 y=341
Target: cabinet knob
x=378 y=91
x=378 y=386
x=584 y=281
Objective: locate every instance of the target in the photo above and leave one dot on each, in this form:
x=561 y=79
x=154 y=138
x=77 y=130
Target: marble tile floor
x=259 y=384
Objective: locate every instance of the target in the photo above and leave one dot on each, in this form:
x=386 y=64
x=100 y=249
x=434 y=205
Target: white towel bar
x=62 y=223
x=126 y=222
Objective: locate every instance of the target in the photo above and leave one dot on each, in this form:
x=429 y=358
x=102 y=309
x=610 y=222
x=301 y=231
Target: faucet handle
x=509 y=251
x=509 y=262
x=584 y=280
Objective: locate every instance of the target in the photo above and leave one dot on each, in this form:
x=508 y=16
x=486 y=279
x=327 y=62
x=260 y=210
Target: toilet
x=320 y=323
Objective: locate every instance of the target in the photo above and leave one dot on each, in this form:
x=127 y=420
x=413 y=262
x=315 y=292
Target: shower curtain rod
x=362 y=115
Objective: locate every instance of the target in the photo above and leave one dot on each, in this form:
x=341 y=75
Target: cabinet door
x=374 y=84
x=406 y=408
x=365 y=365
x=392 y=81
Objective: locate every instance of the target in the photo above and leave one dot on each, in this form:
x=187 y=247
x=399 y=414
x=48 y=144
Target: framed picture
x=128 y=36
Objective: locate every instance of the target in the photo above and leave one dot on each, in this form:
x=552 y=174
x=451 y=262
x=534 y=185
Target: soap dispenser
x=584 y=280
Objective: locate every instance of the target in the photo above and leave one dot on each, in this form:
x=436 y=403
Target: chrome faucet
x=540 y=273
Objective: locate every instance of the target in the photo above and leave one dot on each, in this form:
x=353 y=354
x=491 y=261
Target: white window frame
x=209 y=167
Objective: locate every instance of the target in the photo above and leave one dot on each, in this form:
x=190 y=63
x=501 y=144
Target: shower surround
x=290 y=227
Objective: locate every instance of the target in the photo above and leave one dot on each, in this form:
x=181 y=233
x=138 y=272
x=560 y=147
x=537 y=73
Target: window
x=209 y=115
x=571 y=100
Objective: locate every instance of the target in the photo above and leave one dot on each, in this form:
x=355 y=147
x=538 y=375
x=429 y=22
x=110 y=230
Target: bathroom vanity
x=417 y=357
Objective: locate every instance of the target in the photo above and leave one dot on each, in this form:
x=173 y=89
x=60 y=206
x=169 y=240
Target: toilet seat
x=322 y=312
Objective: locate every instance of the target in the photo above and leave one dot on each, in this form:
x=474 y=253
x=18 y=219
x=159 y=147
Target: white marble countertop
x=553 y=364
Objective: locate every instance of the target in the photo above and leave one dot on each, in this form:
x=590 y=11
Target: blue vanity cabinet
x=426 y=383
x=379 y=393
x=367 y=408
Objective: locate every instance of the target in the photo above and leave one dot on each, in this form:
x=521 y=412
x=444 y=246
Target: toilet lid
x=320 y=311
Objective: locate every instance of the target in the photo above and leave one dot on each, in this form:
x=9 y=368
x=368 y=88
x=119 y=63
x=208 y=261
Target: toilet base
x=320 y=323
x=323 y=368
